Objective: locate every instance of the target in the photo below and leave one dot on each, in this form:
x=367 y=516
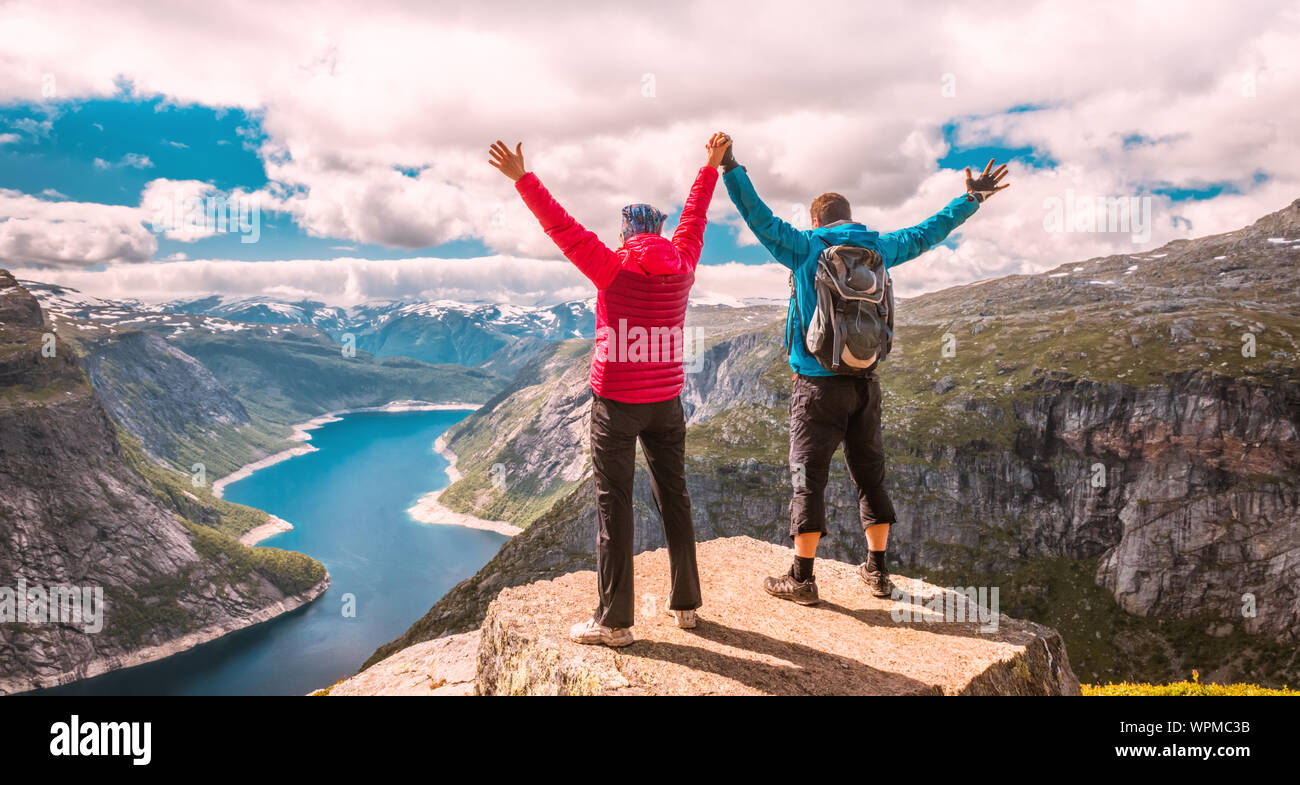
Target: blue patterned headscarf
x=641 y=219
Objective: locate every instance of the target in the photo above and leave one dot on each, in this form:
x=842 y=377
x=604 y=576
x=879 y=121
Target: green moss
x=43 y=394
x=177 y=492
x=291 y=572
x=742 y=433
x=142 y=614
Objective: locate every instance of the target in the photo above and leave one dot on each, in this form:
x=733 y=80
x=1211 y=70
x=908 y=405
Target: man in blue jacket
x=825 y=408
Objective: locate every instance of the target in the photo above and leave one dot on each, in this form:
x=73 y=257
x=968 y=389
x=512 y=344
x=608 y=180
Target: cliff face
x=74 y=512
x=1198 y=509
x=1136 y=415
x=159 y=394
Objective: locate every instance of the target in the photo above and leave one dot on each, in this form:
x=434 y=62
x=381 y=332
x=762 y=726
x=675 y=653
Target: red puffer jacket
x=643 y=289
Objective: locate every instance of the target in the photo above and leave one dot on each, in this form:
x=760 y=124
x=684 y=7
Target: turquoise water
x=347 y=502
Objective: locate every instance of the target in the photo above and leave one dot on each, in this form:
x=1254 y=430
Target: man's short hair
x=829 y=208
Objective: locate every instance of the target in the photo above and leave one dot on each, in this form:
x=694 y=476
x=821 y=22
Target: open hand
x=717 y=147
x=510 y=164
x=986 y=184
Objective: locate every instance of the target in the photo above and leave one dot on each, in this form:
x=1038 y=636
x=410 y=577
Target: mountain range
x=435 y=332
x=439 y=331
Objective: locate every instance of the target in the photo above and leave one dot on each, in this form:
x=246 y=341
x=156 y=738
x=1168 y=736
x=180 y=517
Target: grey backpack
x=853 y=326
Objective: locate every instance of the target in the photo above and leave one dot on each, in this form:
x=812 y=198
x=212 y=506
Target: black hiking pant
x=661 y=428
x=825 y=411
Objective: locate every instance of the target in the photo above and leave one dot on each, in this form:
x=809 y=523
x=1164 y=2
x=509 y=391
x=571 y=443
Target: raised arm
x=906 y=244
x=787 y=244
x=578 y=244
x=689 y=237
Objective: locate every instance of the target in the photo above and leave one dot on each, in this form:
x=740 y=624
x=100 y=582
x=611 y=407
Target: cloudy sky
x=360 y=131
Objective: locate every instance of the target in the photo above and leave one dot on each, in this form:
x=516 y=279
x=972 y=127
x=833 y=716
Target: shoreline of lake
x=429 y=510
x=272 y=527
x=366 y=540
x=302 y=433
x=161 y=651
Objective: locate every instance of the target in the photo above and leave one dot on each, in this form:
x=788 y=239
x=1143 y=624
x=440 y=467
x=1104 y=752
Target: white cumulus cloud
x=614 y=105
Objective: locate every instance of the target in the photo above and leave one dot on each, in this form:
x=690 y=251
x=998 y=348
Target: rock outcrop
x=746 y=643
x=442 y=666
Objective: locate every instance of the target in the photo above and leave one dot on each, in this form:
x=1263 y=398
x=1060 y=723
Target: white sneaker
x=685 y=619
x=591 y=632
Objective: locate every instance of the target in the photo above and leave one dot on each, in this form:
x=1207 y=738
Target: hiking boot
x=878 y=582
x=787 y=588
x=685 y=619
x=593 y=632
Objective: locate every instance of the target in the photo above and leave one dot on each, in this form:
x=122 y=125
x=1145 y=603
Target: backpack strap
x=797 y=327
x=792 y=318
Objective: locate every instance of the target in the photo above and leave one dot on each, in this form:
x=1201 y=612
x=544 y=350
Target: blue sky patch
x=975 y=156
x=105 y=150
x=1192 y=192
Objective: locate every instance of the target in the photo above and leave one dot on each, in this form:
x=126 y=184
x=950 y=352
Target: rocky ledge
x=746 y=643
x=442 y=666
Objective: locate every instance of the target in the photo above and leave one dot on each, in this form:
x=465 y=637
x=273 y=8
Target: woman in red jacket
x=636 y=378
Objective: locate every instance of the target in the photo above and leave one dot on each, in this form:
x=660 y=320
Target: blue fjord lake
x=347 y=502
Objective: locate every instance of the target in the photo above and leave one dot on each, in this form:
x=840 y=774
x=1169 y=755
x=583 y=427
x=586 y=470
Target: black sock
x=802 y=569
x=876 y=561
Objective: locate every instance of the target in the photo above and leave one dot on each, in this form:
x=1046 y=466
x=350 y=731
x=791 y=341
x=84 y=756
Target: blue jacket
x=798 y=250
